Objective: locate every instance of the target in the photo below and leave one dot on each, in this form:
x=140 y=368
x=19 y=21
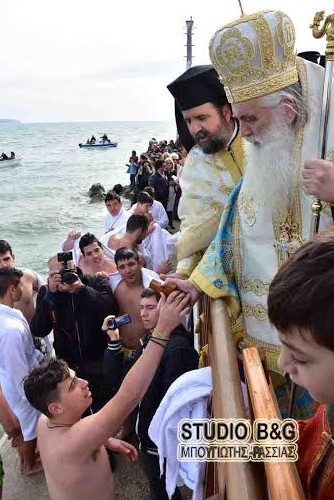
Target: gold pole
x=326 y=30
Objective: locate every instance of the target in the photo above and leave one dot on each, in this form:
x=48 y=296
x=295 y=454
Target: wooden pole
x=239 y=478
x=282 y=477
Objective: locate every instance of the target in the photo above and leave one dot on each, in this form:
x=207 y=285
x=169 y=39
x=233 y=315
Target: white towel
x=75 y=250
x=147 y=276
x=186 y=398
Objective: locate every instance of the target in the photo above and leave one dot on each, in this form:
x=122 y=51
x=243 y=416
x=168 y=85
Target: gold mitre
x=255 y=55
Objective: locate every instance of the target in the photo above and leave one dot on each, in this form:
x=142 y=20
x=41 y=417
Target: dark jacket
x=179 y=357
x=76 y=319
x=161 y=188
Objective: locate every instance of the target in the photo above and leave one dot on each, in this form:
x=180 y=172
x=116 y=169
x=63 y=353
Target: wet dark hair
x=111 y=195
x=301 y=294
x=9 y=276
x=5 y=247
x=118 y=189
x=148 y=293
x=144 y=198
x=41 y=384
x=159 y=163
x=150 y=190
x=136 y=221
x=88 y=239
x=126 y=253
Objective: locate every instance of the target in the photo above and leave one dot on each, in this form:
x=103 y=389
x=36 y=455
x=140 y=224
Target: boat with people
x=100 y=144
x=104 y=142
x=11 y=160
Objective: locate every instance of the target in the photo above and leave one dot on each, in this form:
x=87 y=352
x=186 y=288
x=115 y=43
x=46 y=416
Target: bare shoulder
x=81 y=439
x=41 y=425
x=29 y=276
x=120 y=291
x=31 y=280
x=110 y=267
x=111 y=240
x=122 y=286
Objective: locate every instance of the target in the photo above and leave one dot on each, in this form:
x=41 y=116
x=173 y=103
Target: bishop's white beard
x=270 y=176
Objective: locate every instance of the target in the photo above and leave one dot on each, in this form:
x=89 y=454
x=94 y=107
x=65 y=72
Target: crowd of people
x=246 y=169
x=160 y=167
x=63 y=317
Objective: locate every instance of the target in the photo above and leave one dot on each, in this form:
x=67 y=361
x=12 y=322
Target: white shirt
x=159 y=214
x=115 y=221
x=17 y=357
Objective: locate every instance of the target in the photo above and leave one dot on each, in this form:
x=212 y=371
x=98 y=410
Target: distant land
x=5 y=120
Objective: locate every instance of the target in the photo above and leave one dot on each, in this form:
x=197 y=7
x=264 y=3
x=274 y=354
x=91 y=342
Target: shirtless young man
x=72 y=450
x=136 y=232
x=31 y=282
x=92 y=259
x=143 y=207
x=127 y=286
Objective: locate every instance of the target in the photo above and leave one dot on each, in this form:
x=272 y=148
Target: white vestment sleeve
x=159 y=214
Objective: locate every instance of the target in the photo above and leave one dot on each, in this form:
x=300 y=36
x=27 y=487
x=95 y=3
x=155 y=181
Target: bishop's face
x=257 y=121
x=270 y=170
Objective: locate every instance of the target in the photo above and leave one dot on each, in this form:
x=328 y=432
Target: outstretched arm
x=93 y=431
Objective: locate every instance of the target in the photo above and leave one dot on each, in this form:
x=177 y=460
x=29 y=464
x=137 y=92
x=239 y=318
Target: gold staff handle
x=327 y=30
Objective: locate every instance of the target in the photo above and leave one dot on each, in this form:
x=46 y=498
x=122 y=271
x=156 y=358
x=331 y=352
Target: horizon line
x=16 y=121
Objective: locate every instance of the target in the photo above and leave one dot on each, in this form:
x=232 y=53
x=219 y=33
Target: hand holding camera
x=75 y=287
x=66 y=279
x=68 y=275
x=54 y=281
x=111 y=324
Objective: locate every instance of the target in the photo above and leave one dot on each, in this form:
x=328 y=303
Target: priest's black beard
x=214 y=141
x=212 y=146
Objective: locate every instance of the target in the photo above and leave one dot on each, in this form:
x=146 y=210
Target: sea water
x=45 y=196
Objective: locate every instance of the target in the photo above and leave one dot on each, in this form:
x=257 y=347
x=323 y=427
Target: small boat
x=13 y=162
x=99 y=144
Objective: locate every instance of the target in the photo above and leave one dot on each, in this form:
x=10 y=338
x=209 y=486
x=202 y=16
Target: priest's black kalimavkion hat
x=196 y=86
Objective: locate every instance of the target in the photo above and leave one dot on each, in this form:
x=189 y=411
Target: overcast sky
x=80 y=60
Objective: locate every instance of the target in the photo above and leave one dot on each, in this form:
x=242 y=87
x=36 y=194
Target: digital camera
x=114 y=323
x=68 y=276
